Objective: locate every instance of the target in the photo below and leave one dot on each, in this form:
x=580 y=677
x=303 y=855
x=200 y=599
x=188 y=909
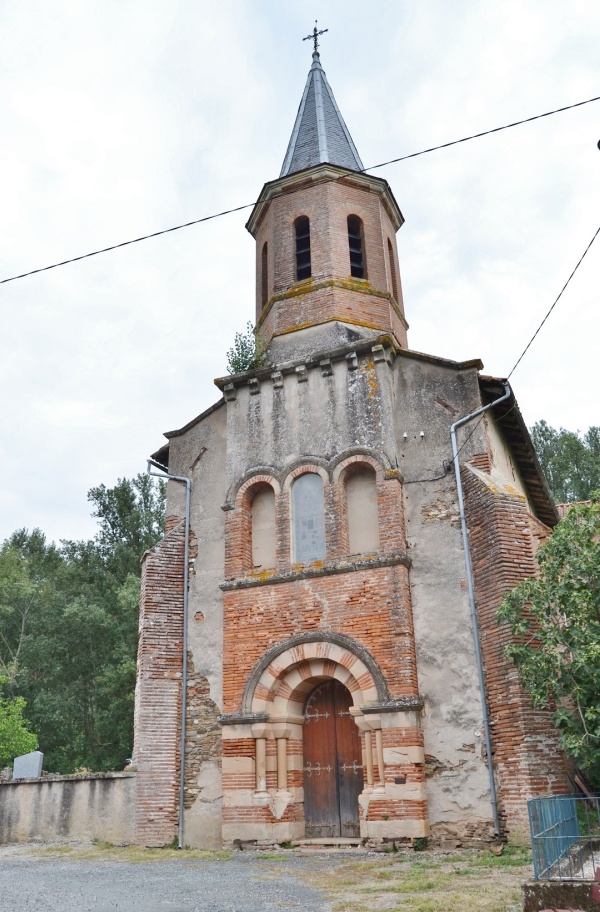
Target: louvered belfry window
x=355 y=242
x=393 y=269
x=303 y=270
x=264 y=292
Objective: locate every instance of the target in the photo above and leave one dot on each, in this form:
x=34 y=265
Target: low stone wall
x=92 y=806
x=559 y=896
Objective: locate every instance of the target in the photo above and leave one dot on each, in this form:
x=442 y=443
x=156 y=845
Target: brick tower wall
x=330 y=293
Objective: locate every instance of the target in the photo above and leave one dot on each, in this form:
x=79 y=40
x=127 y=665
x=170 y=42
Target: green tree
x=26 y=565
x=15 y=735
x=131 y=517
x=570 y=462
x=555 y=621
x=69 y=619
x=247 y=351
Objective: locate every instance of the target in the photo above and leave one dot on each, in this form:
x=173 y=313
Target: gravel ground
x=246 y=882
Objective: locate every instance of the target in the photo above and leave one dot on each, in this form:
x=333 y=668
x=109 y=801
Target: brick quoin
x=504 y=539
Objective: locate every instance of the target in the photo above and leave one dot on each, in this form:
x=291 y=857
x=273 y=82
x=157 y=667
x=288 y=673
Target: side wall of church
x=504 y=537
x=430 y=398
x=199 y=454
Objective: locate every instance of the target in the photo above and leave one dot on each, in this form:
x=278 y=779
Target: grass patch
x=465 y=881
x=106 y=851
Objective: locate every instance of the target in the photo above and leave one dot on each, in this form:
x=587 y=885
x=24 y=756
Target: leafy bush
x=15 y=736
x=555 y=622
x=247 y=352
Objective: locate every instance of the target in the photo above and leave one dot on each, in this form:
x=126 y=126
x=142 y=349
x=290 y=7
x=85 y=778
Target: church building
x=317 y=660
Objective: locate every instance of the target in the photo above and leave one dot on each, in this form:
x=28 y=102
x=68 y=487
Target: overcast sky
x=118 y=118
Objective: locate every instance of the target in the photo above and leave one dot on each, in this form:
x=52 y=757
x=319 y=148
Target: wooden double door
x=333 y=773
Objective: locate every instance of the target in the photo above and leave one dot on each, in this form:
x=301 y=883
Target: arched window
x=302 y=227
x=264 y=291
x=357 y=247
x=308 y=512
x=393 y=269
x=363 y=521
x=263 y=528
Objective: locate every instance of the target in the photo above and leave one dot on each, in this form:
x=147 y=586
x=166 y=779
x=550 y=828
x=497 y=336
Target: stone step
x=327 y=841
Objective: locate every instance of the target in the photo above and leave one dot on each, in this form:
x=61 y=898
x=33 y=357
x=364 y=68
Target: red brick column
x=158 y=691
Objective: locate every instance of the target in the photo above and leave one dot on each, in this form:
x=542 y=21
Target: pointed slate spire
x=320 y=134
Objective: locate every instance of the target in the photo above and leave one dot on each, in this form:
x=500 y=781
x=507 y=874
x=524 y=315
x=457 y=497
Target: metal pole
x=184 y=665
x=471 y=588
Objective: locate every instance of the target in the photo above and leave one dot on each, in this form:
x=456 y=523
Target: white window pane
x=309 y=518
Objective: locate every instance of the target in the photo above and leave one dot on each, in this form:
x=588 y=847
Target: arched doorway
x=333 y=772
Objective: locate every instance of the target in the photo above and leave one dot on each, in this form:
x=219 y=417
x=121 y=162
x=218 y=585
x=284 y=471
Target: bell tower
x=326 y=257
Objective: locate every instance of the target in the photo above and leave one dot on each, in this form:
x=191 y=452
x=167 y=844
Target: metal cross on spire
x=314 y=35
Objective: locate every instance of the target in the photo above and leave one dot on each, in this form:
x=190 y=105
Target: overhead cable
x=581 y=258
x=527 y=347
x=215 y=215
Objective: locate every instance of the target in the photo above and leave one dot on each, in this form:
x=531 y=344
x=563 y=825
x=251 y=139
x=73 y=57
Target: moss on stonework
x=370 y=372
x=263 y=574
x=393 y=473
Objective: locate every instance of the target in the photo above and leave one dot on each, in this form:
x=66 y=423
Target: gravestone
x=28 y=766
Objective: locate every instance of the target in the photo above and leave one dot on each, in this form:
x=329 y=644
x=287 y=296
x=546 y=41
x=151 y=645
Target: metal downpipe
x=184 y=662
x=471 y=588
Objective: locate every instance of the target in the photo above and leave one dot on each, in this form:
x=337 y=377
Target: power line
x=144 y=237
x=527 y=347
x=207 y=218
x=581 y=258
x=455 y=142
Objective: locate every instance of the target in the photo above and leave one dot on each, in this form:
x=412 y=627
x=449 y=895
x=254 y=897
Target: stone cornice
x=242 y=718
x=403 y=704
x=384 y=345
x=301 y=180
x=313 y=571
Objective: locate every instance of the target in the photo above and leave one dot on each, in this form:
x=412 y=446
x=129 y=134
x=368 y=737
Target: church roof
x=319 y=134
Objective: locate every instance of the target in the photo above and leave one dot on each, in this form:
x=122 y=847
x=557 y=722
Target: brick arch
x=252 y=484
x=267 y=474
x=355 y=463
x=286 y=693
x=278 y=678
x=367 y=455
x=304 y=467
x=238 y=535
